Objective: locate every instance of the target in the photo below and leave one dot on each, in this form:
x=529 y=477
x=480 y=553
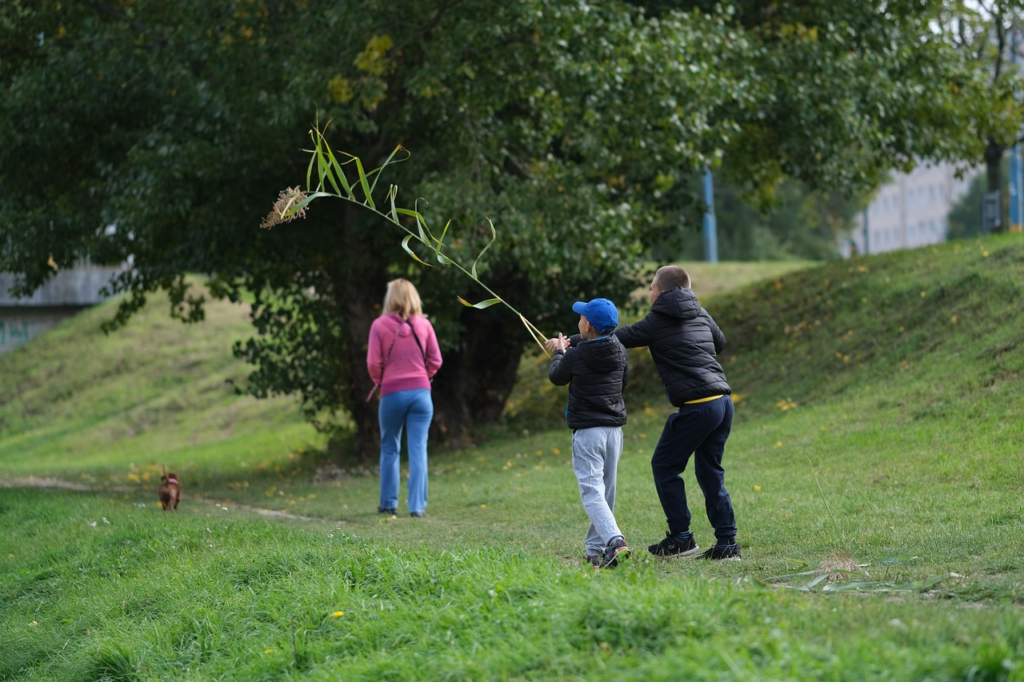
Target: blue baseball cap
x=600 y=313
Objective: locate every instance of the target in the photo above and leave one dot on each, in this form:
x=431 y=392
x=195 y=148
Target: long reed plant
x=332 y=182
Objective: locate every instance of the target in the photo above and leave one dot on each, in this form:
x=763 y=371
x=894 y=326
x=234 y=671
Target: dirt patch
x=34 y=482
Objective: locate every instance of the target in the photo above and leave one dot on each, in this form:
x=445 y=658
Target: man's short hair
x=672 y=277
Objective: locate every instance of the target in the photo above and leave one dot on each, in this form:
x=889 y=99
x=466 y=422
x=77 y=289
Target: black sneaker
x=417 y=515
x=719 y=552
x=616 y=549
x=593 y=560
x=670 y=548
x=385 y=510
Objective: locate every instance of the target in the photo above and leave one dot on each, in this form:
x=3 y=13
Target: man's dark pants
x=700 y=429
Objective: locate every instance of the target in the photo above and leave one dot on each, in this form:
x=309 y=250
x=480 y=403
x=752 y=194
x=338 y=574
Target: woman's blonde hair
x=402 y=298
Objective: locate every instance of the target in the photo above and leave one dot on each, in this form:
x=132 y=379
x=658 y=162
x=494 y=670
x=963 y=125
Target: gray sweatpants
x=595 y=459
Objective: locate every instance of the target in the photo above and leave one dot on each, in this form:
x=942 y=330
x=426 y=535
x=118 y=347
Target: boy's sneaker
x=719 y=552
x=387 y=510
x=671 y=548
x=592 y=559
x=616 y=549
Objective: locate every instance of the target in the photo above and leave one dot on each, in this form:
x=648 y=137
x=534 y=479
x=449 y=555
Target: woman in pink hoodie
x=403 y=357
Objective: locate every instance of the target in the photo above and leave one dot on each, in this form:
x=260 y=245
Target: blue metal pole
x=710 y=229
x=1016 y=170
x=867 y=242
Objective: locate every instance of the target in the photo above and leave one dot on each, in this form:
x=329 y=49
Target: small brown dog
x=170 y=491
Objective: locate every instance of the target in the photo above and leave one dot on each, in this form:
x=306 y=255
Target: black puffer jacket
x=596 y=372
x=684 y=342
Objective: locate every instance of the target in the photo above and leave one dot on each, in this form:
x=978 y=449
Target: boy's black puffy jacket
x=596 y=372
x=684 y=342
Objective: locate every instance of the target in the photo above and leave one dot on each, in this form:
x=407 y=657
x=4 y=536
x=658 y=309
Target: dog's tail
x=165 y=470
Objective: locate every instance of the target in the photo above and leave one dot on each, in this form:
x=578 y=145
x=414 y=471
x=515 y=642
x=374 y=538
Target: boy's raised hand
x=561 y=343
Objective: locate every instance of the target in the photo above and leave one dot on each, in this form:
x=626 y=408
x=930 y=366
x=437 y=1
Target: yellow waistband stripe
x=702 y=400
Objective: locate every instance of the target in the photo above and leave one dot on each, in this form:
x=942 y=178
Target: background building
x=910 y=211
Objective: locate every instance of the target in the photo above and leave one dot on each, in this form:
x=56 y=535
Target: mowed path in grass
x=878 y=432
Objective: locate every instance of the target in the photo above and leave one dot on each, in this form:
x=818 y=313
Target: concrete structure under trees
x=67 y=293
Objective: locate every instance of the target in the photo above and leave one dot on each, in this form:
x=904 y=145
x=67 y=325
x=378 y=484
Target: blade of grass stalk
x=858 y=586
x=535 y=333
x=919 y=585
x=364 y=183
x=325 y=171
x=793 y=575
x=822 y=493
x=816 y=581
x=340 y=173
x=896 y=560
x=421 y=223
x=392 y=193
x=443 y=259
x=440 y=242
x=405 y=245
x=385 y=164
x=302 y=204
x=312 y=159
x=481 y=305
x=494 y=235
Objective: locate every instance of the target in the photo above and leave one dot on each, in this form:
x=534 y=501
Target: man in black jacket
x=596 y=371
x=684 y=342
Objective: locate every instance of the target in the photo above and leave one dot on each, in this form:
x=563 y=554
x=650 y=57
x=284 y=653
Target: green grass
x=100 y=589
x=897 y=461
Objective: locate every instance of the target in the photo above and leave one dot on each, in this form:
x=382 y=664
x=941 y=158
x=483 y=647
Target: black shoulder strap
x=420 y=345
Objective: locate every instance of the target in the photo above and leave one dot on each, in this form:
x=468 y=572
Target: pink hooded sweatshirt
x=404 y=368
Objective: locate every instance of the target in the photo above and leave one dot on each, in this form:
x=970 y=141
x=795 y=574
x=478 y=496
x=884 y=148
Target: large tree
x=990 y=34
x=158 y=133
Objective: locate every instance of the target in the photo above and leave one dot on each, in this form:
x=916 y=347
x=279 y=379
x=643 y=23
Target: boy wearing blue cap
x=596 y=371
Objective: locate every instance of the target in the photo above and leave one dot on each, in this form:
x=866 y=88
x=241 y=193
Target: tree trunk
x=475 y=381
x=994 y=170
x=359 y=291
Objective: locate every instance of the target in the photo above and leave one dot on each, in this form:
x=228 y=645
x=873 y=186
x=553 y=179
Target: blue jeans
x=699 y=430
x=414 y=409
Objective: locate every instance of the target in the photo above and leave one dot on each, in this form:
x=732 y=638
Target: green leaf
x=341 y=174
x=481 y=305
x=849 y=587
x=313 y=156
x=440 y=242
x=325 y=171
x=384 y=165
x=392 y=194
x=365 y=183
x=420 y=223
x=816 y=581
x=494 y=235
x=302 y=204
x=405 y=245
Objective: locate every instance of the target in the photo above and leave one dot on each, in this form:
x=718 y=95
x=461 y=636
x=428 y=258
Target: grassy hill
x=77 y=401
x=875 y=465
